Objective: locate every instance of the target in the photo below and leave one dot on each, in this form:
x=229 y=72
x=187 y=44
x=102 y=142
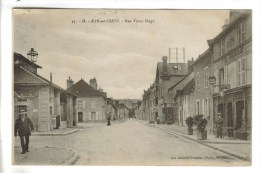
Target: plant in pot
x=190 y=123
x=201 y=123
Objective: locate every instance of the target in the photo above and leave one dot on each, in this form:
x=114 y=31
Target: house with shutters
x=232 y=72
x=91 y=103
x=47 y=105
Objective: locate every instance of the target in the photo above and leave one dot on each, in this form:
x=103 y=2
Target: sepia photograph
x=132 y=87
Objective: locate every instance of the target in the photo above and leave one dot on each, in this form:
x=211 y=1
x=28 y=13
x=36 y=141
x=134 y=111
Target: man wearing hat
x=219 y=125
x=23 y=125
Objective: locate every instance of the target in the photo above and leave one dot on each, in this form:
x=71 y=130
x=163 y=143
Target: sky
x=121 y=55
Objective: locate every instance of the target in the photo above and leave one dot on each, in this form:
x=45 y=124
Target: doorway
x=229 y=115
x=80 y=116
x=239 y=111
x=221 y=109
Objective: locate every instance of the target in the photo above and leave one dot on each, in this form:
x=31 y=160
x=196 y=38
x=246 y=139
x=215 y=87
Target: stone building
x=203 y=68
x=167 y=75
x=232 y=66
x=182 y=100
x=91 y=102
x=47 y=105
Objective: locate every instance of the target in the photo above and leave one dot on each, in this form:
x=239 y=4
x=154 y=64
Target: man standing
x=23 y=125
x=219 y=125
x=108 y=119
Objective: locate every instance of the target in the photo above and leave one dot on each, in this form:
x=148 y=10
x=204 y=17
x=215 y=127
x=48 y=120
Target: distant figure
x=108 y=120
x=23 y=125
x=219 y=125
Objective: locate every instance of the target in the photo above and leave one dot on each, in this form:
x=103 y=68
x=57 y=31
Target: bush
x=190 y=122
x=200 y=122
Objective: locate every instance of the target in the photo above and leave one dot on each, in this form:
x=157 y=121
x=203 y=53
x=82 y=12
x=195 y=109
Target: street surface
x=134 y=143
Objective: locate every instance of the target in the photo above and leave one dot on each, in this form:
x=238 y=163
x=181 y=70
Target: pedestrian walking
x=108 y=120
x=23 y=125
x=219 y=125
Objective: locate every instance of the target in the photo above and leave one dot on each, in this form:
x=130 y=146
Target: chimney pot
x=70 y=82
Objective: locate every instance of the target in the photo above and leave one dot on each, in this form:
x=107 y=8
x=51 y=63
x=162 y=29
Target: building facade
x=182 y=101
x=232 y=65
x=167 y=75
x=47 y=105
x=203 y=68
x=91 y=103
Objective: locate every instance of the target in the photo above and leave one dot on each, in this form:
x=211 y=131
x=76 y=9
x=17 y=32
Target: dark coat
x=219 y=122
x=23 y=127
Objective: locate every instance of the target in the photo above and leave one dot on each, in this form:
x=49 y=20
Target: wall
x=100 y=108
x=44 y=118
x=203 y=90
x=32 y=96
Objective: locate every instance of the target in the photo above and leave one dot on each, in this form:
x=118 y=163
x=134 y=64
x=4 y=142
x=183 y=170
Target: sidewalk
x=45 y=156
x=235 y=147
x=56 y=132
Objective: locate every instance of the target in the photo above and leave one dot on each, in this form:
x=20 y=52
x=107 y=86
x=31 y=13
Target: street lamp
x=32 y=55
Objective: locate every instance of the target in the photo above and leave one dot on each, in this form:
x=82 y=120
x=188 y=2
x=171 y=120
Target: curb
x=55 y=134
x=237 y=155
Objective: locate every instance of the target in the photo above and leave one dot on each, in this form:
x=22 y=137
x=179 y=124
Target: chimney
x=93 y=83
x=70 y=82
x=51 y=77
x=225 y=24
x=164 y=59
x=190 y=66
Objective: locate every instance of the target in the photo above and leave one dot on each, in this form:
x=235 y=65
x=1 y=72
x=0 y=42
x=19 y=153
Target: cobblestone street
x=125 y=143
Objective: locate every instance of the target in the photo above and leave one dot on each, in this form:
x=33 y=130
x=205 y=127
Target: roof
x=242 y=14
x=83 y=89
x=182 y=68
x=18 y=56
x=188 y=87
x=201 y=56
x=40 y=81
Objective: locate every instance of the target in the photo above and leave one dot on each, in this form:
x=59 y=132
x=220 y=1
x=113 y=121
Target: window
x=222 y=46
x=93 y=116
x=241 y=72
x=241 y=32
x=206 y=108
x=221 y=76
x=50 y=110
x=197 y=81
x=197 y=107
x=206 y=77
x=93 y=104
x=80 y=104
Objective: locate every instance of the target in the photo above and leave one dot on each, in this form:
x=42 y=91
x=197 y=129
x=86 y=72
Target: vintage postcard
x=132 y=87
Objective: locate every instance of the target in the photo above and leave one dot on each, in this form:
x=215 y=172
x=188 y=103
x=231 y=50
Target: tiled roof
x=182 y=68
x=83 y=89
